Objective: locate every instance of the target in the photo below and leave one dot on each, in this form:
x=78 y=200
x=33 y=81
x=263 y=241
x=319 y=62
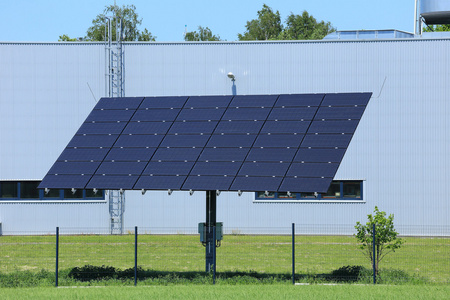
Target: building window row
x=338 y=190
x=28 y=190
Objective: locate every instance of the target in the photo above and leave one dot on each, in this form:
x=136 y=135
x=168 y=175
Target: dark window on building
x=69 y=194
x=29 y=190
x=8 y=189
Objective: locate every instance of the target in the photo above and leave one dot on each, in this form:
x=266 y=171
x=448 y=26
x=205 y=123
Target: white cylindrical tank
x=435 y=11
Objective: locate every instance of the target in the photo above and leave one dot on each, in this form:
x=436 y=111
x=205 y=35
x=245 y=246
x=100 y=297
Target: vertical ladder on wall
x=115 y=87
x=116 y=210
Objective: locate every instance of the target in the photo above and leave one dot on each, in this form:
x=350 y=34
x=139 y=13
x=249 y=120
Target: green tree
x=267 y=27
x=203 y=34
x=66 y=38
x=443 y=27
x=386 y=238
x=130 y=22
x=305 y=27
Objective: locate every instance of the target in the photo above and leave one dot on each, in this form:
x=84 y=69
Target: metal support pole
x=293 y=253
x=374 y=255
x=214 y=255
x=57 y=256
x=211 y=201
x=135 y=254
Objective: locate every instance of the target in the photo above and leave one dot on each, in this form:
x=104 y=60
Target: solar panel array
x=228 y=143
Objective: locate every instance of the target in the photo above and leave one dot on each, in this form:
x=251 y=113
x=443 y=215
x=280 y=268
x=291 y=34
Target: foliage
x=203 y=34
x=268 y=26
x=305 y=27
x=386 y=238
x=432 y=28
x=130 y=22
x=88 y=273
x=66 y=38
x=349 y=273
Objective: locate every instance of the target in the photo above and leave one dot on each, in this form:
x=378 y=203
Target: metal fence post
x=214 y=254
x=135 y=254
x=293 y=253
x=57 y=256
x=374 y=255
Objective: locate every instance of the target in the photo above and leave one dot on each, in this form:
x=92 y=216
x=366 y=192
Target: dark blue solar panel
x=102 y=128
x=313 y=169
x=254 y=101
x=147 y=127
x=231 y=140
x=168 y=168
x=113 y=182
x=203 y=183
x=163 y=102
x=340 y=113
x=223 y=154
x=207 y=140
x=271 y=154
x=83 y=154
x=130 y=154
x=200 y=114
x=121 y=168
x=208 y=101
x=157 y=114
x=139 y=140
x=246 y=113
x=256 y=183
x=285 y=126
x=216 y=168
x=341 y=126
x=79 y=167
x=319 y=155
x=119 y=103
x=240 y=127
x=306 y=185
x=177 y=154
x=299 y=100
x=193 y=127
x=110 y=115
x=160 y=182
x=264 y=169
x=93 y=141
x=52 y=181
x=279 y=140
x=293 y=113
x=327 y=140
x=347 y=99
x=185 y=141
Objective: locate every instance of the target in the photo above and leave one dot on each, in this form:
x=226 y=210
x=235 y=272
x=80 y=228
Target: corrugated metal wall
x=400 y=148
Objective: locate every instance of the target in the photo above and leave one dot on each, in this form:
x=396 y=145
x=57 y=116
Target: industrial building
x=397 y=159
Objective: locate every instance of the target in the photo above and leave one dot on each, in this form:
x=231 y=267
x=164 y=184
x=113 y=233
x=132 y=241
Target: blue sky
x=46 y=20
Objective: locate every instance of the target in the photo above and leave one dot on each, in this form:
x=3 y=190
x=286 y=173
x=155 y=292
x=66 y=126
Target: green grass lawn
x=230 y=292
x=423 y=257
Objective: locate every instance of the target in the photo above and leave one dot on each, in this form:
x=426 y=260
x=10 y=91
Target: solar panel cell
x=52 y=181
x=319 y=155
x=139 y=140
x=216 y=168
x=113 y=182
x=340 y=113
x=155 y=115
x=327 y=140
x=201 y=114
x=292 y=113
x=168 y=168
x=119 y=103
x=79 y=167
x=147 y=127
x=223 y=154
x=341 y=126
x=254 y=101
x=285 y=126
x=299 y=100
x=313 y=169
x=159 y=182
x=83 y=154
x=177 y=154
x=240 y=127
x=185 y=141
x=101 y=128
x=263 y=169
x=246 y=113
x=256 y=183
x=121 y=168
x=231 y=140
x=204 y=183
x=130 y=154
x=110 y=115
x=93 y=141
x=271 y=154
x=279 y=140
x=163 y=102
x=348 y=99
x=193 y=127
